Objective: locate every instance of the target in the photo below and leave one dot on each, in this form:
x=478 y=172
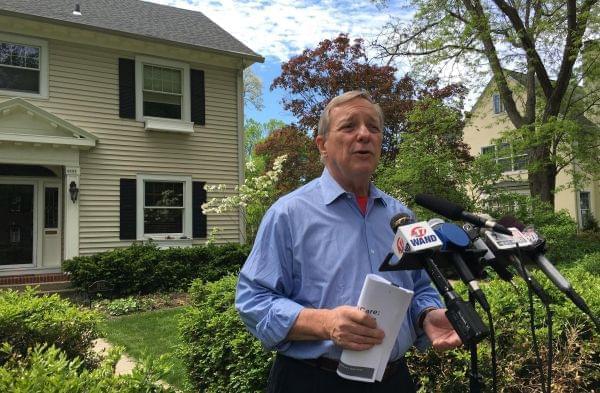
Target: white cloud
x=283 y=28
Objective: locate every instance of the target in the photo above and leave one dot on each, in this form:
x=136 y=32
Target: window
x=23 y=66
x=498 y=104
x=505 y=157
x=584 y=207
x=51 y=207
x=163 y=94
x=164 y=207
x=162 y=91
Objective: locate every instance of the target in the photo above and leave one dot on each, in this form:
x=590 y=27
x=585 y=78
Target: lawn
x=150 y=334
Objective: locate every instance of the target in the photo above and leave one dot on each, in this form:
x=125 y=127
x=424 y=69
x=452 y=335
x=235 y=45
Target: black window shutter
x=127 y=210
x=197 y=100
x=198 y=219
x=127 y=88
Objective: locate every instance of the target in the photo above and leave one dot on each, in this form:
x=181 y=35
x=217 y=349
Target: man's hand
x=351 y=328
x=440 y=331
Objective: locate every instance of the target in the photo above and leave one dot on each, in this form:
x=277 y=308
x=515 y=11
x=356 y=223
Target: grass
x=150 y=334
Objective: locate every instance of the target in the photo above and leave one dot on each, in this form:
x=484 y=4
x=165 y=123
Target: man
x=298 y=289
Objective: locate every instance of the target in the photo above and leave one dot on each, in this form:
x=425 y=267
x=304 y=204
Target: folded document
x=387 y=303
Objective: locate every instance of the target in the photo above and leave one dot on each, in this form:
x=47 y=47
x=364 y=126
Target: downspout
x=241 y=153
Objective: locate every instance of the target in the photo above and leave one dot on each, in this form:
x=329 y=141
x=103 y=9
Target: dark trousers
x=294 y=376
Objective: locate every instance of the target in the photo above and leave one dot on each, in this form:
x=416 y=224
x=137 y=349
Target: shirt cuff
x=273 y=329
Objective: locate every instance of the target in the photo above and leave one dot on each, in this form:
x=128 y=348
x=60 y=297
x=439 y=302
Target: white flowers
x=254 y=190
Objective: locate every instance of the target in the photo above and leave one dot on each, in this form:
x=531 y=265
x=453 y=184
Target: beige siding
x=83 y=89
x=484 y=125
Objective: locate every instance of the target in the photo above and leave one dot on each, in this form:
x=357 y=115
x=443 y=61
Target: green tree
x=541 y=39
x=253 y=90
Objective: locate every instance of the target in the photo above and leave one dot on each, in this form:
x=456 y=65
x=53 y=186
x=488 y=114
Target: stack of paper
x=387 y=303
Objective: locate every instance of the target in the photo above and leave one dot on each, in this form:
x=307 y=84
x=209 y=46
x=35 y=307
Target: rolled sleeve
x=425 y=297
x=263 y=290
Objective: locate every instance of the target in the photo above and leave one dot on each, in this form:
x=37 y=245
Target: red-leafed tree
x=302 y=163
x=317 y=75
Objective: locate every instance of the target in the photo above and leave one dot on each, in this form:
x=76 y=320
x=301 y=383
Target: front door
x=16 y=224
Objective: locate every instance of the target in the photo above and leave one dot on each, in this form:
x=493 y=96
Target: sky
x=281 y=29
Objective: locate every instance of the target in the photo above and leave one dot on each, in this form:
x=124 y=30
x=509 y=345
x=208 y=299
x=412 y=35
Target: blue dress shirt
x=313 y=249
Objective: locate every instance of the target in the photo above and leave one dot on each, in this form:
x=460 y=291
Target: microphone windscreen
x=439 y=205
x=400 y=219
x=511 y=221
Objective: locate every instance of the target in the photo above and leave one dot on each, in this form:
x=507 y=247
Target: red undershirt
x=362 y=203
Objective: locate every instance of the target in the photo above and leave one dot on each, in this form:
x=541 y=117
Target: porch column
x=71 y=226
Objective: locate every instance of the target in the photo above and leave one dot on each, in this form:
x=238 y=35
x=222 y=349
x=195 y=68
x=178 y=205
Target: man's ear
x=320 y=140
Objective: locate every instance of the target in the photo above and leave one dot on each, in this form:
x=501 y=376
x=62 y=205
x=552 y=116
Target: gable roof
x=137 y=18
x=66 y=134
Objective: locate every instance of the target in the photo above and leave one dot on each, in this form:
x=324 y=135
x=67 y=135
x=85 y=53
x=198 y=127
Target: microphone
x=455 y=212
x=506 y=246
x=420 y=239
x=488 y=257
x=536 y=253
x=455 y=240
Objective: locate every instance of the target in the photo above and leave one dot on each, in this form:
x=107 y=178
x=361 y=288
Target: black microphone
x=455 y=212
x=454 y=241
x=421 y=241
x=488 y=257
x=536 y=253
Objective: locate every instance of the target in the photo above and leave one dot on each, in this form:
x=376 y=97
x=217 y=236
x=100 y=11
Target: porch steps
x=44 y=283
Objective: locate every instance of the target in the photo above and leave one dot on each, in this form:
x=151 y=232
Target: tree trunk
x=542 y=180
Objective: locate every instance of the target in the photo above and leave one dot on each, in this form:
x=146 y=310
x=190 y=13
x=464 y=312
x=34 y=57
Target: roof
x=134 y=17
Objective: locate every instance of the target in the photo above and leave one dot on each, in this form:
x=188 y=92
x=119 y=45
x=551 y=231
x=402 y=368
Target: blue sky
x=280 y=29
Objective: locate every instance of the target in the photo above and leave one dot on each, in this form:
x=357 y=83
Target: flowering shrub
x=255 y=196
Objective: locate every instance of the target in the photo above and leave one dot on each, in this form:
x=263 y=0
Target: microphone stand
x=462 y=315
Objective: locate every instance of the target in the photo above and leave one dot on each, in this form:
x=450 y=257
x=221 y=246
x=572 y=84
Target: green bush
x=145 y=268
x=221 y=356
x=219 y=353
x=576 y=345
x=27 y=319
x=50 y=370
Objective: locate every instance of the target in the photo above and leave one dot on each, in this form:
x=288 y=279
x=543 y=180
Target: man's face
x=353 y=145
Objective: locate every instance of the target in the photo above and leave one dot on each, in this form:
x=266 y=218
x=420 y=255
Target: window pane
x=163 y=221
x=163 y=194
x=488 y=150
x=162 y=79
x=520 y=162
x=19 y=55
x=496 y=103
x=51 y=208
x=162 y=105
x=19 y=79
x=505 y=164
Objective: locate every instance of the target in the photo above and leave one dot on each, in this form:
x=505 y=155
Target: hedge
x=218 y=352
x=221 y=356
x=144 y=268
x=50 y=370
x=27 y=319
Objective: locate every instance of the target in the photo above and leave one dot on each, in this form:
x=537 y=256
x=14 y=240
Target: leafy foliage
x=145 y=268
x=302 y=158
x=317 y=75
x=27 y=319
x=51 y=370
x=219 y=353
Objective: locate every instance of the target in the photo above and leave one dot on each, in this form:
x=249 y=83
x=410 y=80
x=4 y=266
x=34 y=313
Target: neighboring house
x=113 y=115
x=488 y=119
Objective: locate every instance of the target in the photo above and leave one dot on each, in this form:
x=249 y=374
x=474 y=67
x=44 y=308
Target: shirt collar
x=332 y=190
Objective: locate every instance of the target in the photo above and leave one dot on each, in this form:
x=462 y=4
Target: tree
x=541 y=39
x=253 y=90
x=317 y=75
x=302 y=163
x=428 y=164
x=255 y=131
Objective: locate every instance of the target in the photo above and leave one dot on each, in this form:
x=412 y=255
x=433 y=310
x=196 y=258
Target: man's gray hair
x=341 y=99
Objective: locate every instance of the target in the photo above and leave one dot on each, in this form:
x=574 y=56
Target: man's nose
x=363 y=132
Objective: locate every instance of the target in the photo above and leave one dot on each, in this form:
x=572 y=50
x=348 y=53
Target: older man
x=298 y=289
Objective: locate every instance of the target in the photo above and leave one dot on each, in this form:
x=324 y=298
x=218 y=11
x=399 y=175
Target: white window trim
x=512 y=160
x=162 y=124
x=501 y=103
x=43 y=45
x=187 y=208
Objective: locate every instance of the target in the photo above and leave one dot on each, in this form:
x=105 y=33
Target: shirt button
x=372 y=251
x=348 y=196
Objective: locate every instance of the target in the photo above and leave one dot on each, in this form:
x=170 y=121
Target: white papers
x=387 y=303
